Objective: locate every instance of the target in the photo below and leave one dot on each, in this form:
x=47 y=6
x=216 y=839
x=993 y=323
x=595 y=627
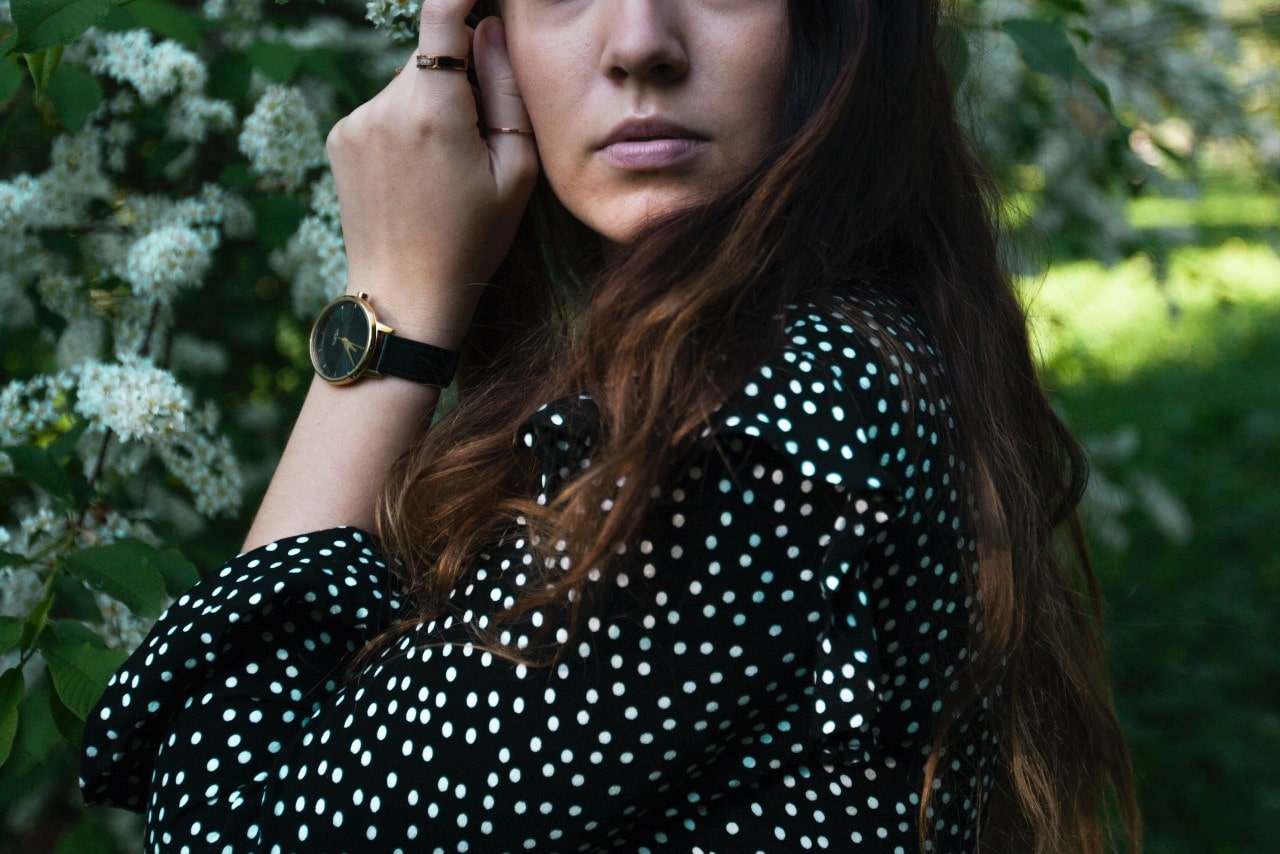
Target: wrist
x=437 y=314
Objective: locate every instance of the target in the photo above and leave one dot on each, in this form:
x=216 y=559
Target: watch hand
x=349 y=348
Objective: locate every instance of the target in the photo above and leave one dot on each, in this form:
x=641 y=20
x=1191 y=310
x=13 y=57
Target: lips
x=649 y=143
x=647 y=129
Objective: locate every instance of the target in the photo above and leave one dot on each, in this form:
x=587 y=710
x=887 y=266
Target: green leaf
x=11 y=559
x=236 y=177
x=64 y=720
x=163 y=19
x=1044 y=46
x=1100 y=86
x=10 y=633
x=73 y=632
x=10 y=77
x=38 y=741
x=11 y=690
x=165 y=153
x=81 y=673
x=35 y=622
x=45 y=23
x=40 y=64
x=1075 y=7
x=75 y=95
x=334 y=69
x=229 y=76
x=277 y=60
x=1046 y=49
x=178 y=572
x=38 y=467
x=127 y=571
x=277 y=218
x=74 y=599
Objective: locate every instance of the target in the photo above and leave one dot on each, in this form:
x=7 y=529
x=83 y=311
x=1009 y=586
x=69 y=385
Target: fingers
x=443 y=30
x=442 y=96
x=514 y=156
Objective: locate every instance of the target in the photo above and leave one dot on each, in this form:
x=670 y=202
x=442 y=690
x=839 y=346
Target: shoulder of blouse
x=851 y=398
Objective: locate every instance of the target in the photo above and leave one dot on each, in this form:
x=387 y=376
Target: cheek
x=553 y=100
x=543 y=83
x=761 y=69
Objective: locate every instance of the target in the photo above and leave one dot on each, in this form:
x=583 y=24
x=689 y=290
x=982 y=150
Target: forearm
x=429 y=209
x=344 y=441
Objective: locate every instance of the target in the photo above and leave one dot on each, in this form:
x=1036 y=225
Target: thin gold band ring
x=521 y=131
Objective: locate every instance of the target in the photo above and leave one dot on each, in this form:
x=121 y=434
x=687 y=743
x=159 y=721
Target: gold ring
x=521 y=131
x=443 y=63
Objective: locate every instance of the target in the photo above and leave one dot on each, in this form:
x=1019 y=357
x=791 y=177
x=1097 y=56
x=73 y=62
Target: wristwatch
x=348 y=342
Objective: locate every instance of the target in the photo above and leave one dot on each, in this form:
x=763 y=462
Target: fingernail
x=497 y=35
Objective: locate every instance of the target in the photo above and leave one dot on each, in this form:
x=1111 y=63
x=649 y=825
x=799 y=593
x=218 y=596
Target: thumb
x=513 y=155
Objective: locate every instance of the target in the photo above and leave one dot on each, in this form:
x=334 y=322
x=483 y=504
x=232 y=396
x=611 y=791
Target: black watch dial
x=340 y=340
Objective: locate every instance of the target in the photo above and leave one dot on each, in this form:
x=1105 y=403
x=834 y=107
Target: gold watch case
x=345 y=339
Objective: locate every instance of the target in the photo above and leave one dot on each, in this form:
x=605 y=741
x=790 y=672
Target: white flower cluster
x=17 y=196
x=158 y=246
x=134 y=399
x=315 y=259
x=154 y=69
x=239 y=22
x=155 y=243
x=141 y=404
x=281 y=137
x=398 y=18
x=164 y=260
x=208 y=469
x=192 y=116
x=144 y=404
x=212 y=207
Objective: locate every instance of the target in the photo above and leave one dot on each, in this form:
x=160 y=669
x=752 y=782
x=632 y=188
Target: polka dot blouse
x=762 y=674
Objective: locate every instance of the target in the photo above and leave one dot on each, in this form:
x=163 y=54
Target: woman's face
x=641 y=107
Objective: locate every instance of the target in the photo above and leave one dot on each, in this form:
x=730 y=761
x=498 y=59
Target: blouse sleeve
x=260 y=646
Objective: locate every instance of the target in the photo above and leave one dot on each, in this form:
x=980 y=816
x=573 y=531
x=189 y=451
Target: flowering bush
x=167 y=225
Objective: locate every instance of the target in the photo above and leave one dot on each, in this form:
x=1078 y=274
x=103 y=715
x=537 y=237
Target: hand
x=429 y=207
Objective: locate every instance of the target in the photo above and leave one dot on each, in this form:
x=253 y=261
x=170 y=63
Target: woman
x=741 y=535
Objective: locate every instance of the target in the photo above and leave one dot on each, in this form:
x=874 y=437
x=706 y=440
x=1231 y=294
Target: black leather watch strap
x=413 y=360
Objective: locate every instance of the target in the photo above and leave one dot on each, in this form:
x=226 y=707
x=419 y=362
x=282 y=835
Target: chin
x=620 y=222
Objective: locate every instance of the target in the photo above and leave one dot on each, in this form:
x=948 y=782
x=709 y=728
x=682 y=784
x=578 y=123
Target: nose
x=644 y=42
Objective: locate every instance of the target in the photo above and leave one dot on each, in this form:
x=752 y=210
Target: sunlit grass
x=1093 y=323
x=1244 y=209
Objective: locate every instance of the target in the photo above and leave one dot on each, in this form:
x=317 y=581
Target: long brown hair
x=871 y=180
